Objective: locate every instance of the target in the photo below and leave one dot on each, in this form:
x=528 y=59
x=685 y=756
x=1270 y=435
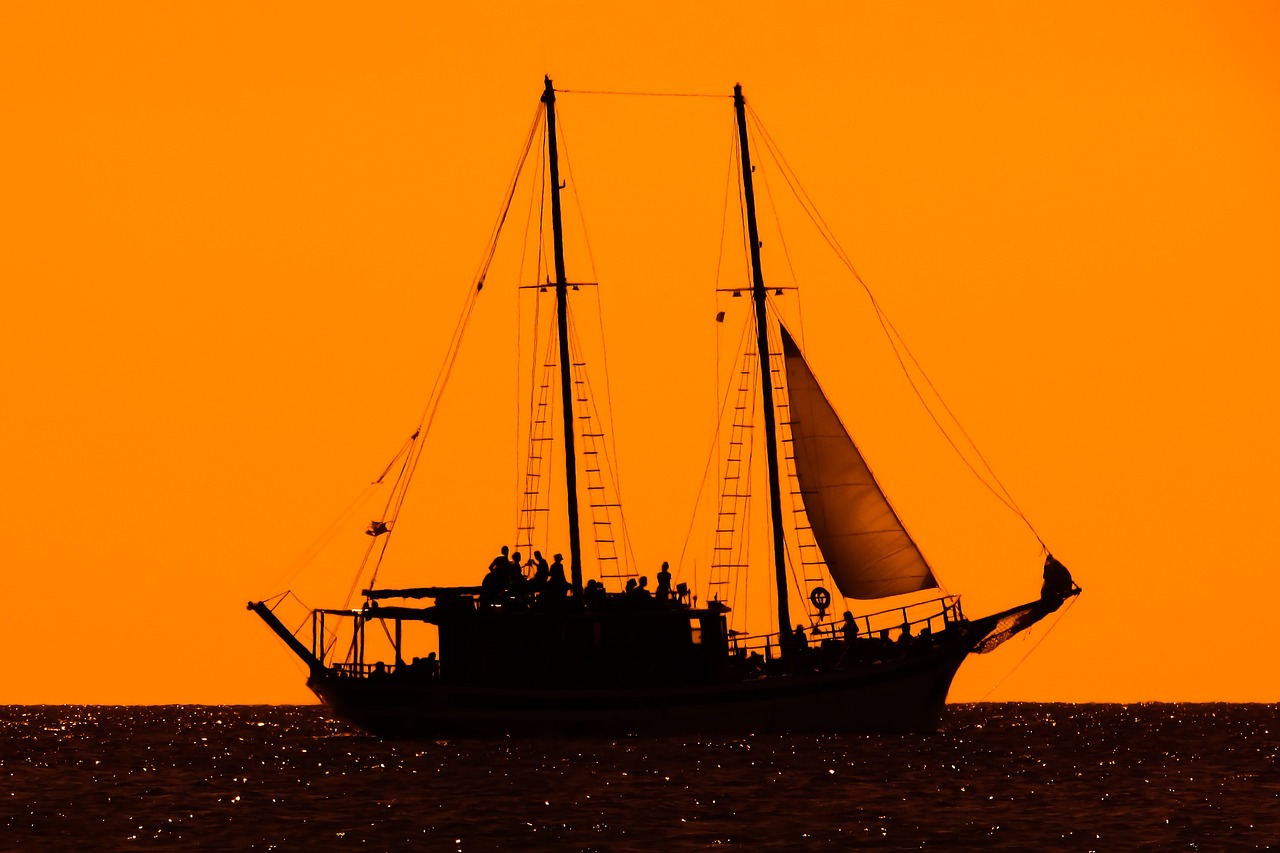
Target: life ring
x=820 y=598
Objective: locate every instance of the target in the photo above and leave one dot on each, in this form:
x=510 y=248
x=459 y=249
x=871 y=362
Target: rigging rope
x=401 y=486
x=610 y=458
x=1058 y=618
x=355 y=582
x=724 y=215
x=713 y=454
x=595 y=276
x=396 y=500
x=940 y=585
x=742 y=555
x=719 y=410
x=326 y=536
x=522 y=508
x=641 y=94
x=768 y=194
x=523 y=515
x=795 y=563
x=896 y=341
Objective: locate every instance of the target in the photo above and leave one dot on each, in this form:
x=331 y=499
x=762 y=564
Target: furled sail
x=866 y=548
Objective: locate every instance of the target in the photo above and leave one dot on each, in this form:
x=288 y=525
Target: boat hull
x=905 y=695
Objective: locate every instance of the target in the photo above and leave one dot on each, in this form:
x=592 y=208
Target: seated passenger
x=558 y=584
x=541 y=571
x=515 y=572
x=494 y=586
x=850 y=627
x=593 y=594
x=500 y=562
x=884 y=646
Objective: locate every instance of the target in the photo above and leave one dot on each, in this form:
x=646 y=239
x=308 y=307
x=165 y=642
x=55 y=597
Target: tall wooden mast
x=766 y=376
x=562 y=330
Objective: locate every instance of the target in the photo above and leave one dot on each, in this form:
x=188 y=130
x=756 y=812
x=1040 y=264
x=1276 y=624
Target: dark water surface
x=997 y=777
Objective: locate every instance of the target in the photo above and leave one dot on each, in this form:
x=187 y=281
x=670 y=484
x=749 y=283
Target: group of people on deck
x=506 y=578
x=536 y=580
x=847 y=643
x=638 y=590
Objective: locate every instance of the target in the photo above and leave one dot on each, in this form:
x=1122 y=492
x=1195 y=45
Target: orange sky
x=233 y=241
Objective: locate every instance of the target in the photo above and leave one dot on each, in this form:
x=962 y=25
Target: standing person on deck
x=663 y=591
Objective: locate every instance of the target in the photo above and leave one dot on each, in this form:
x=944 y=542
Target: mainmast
x=562 y=330
x=766 y=377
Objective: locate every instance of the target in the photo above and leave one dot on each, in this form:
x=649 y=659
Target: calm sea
x=996 y=777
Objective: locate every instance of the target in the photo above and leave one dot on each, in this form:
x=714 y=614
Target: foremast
x=766 y=379
x=562 y=331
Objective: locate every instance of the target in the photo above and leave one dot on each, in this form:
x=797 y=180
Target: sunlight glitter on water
x=997 y=777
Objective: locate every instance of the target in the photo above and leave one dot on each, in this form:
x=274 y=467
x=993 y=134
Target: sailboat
x=544 y=652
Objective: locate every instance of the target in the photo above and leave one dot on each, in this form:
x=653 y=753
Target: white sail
x=866 y=548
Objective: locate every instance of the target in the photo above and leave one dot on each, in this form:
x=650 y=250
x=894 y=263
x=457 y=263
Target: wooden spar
x=422 y=592
x=282 y=632
x=562 y=330
x=766 y=378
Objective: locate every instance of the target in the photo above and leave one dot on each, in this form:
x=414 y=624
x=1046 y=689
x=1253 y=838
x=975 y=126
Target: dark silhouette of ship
x=536 y=650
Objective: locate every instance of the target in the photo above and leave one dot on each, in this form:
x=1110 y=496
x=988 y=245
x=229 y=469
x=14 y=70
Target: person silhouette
x=850 y=627
x=558 y=585
x=515 y=574
x=541 y=571
x=904 y=637
x=500 y=562
x=664 y=583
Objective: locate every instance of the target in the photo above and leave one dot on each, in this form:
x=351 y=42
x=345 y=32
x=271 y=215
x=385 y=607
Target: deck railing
x=919 y=619
x=936 y=615
x=421 y=669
